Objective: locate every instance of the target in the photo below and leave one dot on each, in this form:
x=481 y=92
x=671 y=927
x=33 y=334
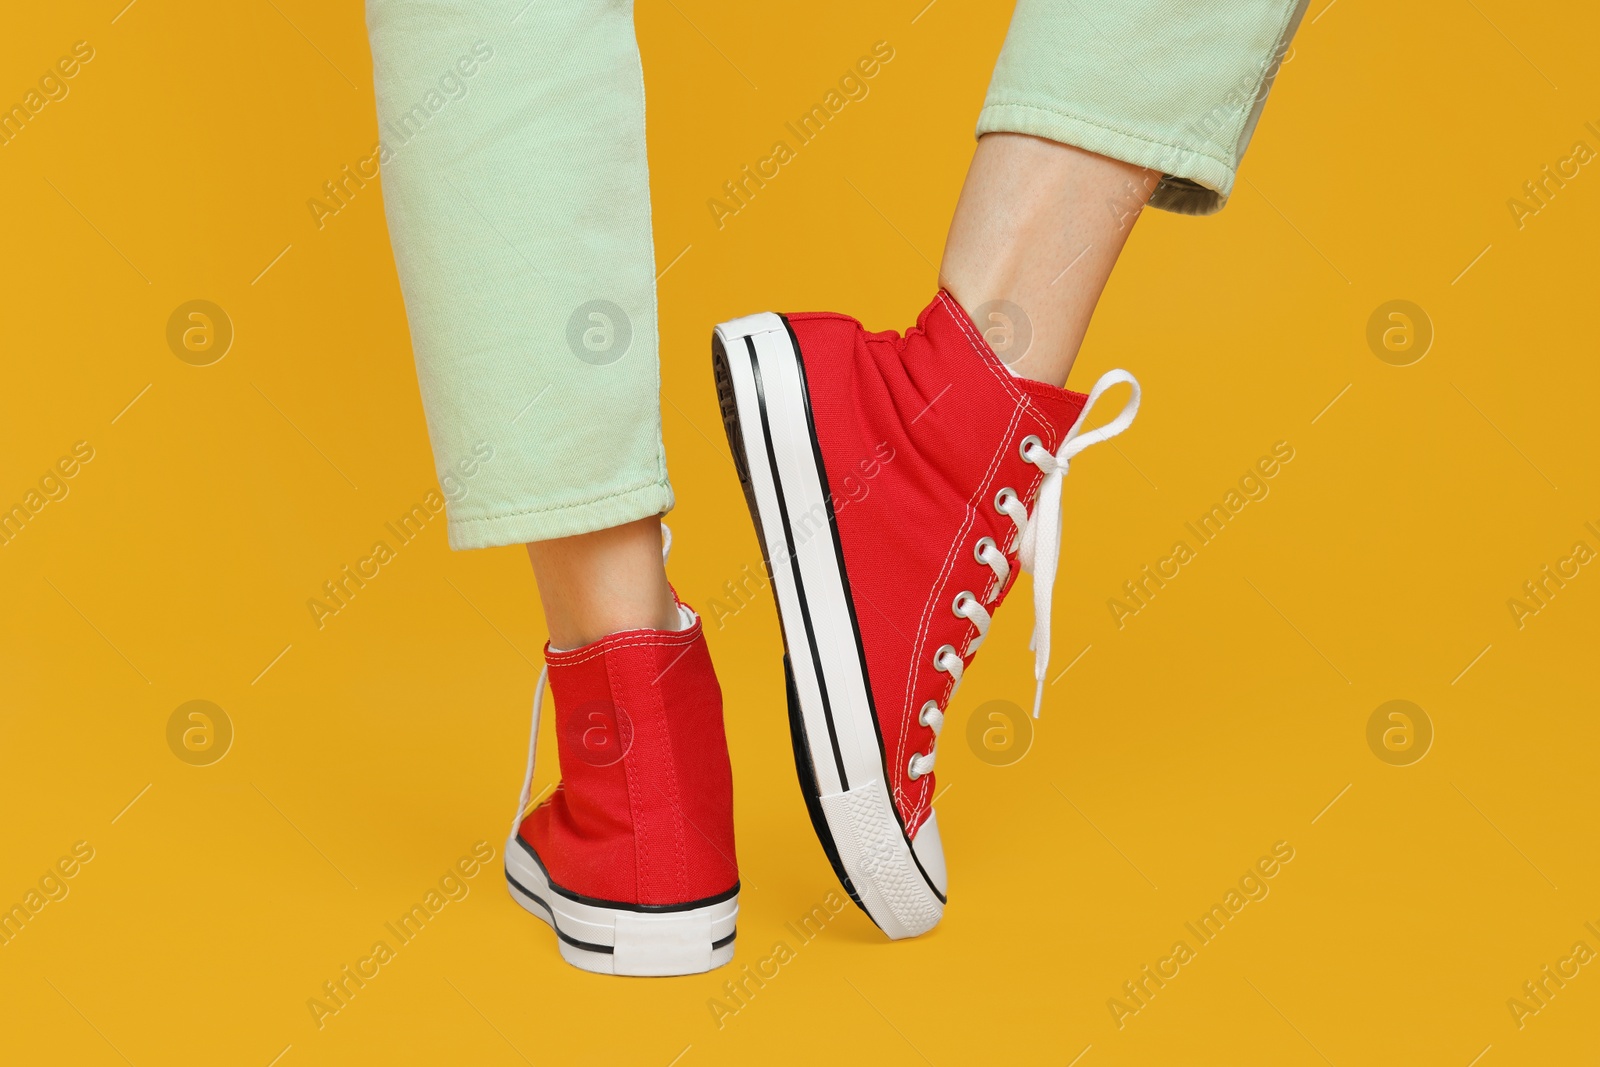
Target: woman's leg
x=517 y=190
x=515 y=179
x=1085 y=123
x=953 y=468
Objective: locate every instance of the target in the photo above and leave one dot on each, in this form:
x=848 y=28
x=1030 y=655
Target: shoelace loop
x=1039 y=540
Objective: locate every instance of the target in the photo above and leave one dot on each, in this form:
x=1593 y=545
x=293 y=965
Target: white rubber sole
x=610 y=938
x=761 y=381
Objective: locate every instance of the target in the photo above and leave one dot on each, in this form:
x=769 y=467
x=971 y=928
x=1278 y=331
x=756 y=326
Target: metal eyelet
x=911 y=767
x=1022 y=449
x=955 y=605
x=922 y=716
x=1001 y=495
x=939 y=655
x=977 y=549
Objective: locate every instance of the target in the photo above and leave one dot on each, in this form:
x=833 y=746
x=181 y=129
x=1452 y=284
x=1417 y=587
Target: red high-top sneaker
x=896 y=484
x=630 y=861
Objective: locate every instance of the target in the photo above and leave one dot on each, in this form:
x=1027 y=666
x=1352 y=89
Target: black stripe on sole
x=794 y=565
x=562 y=934
x=850 y=600
x=721 y=942
x=804 y=770
x=615 y=905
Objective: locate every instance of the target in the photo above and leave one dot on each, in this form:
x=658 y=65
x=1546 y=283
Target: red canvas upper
x=918 y=434
x=644 y=811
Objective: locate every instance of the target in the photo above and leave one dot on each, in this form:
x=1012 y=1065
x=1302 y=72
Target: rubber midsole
x=787 y=485
x=642 y=940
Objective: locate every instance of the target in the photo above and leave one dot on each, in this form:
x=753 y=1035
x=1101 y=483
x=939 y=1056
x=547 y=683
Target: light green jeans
x=512 y=143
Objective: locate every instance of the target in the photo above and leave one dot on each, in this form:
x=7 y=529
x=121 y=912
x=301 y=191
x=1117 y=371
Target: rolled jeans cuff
x=1177 y=89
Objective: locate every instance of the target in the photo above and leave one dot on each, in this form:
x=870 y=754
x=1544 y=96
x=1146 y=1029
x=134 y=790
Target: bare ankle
x=1033 y=242
x=598 y=583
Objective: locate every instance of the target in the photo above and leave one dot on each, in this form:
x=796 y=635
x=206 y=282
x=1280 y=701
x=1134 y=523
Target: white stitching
x=989 y=474
x=1024 y=405
x=933 y=596
x=560 y=659
x=980 y=347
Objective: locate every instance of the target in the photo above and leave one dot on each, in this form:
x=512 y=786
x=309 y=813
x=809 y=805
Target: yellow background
x=1224 y=717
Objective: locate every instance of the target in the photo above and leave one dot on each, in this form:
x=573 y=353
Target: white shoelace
x=533 y=747
x=686 y=618
x=1039 y=541
x=1038 y=550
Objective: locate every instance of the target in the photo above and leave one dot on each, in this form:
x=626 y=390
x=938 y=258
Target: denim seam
x=662 y=483
x=1059 y=113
